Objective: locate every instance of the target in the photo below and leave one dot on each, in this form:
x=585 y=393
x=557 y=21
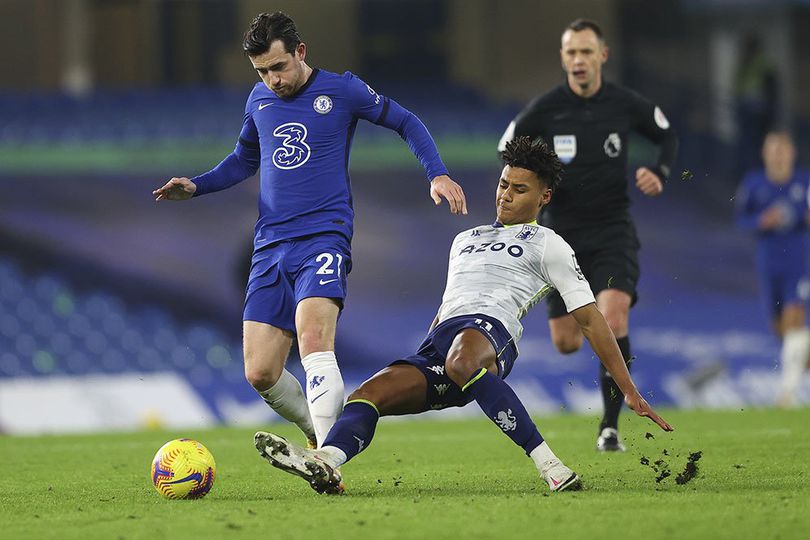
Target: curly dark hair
x=268 y=27
x=535 y=156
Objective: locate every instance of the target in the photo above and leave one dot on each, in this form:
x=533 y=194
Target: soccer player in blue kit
x=774 y=203
x=297 y=130
x=495 y=275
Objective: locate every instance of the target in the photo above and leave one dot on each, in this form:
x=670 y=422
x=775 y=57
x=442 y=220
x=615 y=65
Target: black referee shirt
x=590 y=136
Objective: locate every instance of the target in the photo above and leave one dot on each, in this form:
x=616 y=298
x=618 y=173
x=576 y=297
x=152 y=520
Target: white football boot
x=559 y=477
x=302 y=462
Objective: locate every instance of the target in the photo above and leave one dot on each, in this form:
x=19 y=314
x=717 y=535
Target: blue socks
x=353 y=431
x=500 y=403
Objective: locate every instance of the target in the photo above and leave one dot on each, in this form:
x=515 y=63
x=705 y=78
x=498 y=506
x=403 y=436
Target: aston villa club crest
x=527 y=232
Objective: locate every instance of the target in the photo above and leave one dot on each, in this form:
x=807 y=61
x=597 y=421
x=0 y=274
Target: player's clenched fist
x=648 y=182
x=176 y=189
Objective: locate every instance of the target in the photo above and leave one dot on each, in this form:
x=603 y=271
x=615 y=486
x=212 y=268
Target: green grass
x=428 y=479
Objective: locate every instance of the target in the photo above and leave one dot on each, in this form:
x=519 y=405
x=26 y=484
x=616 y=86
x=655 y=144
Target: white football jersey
x=504 y=271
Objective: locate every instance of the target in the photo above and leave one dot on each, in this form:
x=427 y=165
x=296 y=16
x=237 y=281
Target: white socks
x=795 y=352
x=324 y=391
x=333 y=456
x=287 y=398
x=541 y=455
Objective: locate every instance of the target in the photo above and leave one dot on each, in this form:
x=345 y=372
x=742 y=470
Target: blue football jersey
x=756 y=194
x=303 y=144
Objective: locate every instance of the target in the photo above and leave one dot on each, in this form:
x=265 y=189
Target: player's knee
x=314 y=338
x=617 y=323
x=261 y=376
x=365 y=392
x=460 y=368
x=568 y=344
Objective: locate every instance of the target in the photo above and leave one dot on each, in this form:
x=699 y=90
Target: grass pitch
x=429 y=479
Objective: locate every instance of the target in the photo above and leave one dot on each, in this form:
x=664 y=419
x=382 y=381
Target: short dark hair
x=535 y=156
x=585 y=24
x=268 y=27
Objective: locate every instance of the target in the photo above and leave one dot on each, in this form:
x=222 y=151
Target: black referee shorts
x=608 y=257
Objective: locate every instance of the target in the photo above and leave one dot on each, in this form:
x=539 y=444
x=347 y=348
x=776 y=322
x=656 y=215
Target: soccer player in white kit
x=496 y=274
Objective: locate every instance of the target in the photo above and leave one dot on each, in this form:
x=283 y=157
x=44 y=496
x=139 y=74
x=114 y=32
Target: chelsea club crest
x=322 y=104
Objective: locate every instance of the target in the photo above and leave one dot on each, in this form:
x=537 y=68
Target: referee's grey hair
x=535 y=156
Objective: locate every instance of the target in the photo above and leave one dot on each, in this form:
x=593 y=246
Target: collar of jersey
x=307 y=84
x=499 y=225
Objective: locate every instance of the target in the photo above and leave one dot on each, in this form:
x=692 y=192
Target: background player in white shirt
x=496 y=274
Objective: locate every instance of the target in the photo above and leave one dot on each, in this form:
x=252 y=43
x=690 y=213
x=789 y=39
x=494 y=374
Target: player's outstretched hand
x=444 y=186
x=648 y=182
x=176 y=189
x=640 y=406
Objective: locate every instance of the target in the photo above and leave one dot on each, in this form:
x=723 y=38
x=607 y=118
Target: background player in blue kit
x=496 y=274
x=773 y=203
x=297 y=130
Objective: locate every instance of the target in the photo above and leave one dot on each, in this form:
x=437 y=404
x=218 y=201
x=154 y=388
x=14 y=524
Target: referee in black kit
x=588 y=120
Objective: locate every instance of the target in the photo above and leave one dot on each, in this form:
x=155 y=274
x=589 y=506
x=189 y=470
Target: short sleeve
x=563 y=273
x=364 y=102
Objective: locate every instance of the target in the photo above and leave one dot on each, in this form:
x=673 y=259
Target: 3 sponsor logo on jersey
x=294 y=151
x=613 y=145
x=322 y=104
x=565 y=146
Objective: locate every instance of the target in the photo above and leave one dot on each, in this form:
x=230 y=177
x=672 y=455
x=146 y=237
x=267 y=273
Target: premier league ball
x=183 y=469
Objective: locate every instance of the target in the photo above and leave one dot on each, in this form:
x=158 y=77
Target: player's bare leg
x=472 y=364
x=795 y=351
x=397 y=389
x=566 y=334
x=316 y=324
x=615 y=306
x=265 y=349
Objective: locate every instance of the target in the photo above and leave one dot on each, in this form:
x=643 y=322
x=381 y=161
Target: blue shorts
x=789 y=285
x=284 y=273
x=432 y=354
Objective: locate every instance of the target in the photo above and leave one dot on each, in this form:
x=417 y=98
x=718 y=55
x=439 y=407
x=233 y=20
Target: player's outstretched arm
x=444 y=186
x=176 y=189
x=603 y=343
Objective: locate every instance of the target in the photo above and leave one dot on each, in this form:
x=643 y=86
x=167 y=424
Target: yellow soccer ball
x=183 y=469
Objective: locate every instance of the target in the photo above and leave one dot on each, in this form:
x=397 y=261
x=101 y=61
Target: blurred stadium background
x=117 y=313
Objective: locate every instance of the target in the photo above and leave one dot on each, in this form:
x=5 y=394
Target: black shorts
x=608 y=258
x=442 y=392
